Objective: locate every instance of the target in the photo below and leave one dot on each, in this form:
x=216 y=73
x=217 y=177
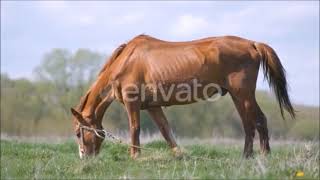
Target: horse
x=231 y=63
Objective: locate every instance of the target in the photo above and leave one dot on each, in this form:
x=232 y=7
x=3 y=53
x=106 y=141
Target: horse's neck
x=94 y=99
x=98 y=100
x=91 y=105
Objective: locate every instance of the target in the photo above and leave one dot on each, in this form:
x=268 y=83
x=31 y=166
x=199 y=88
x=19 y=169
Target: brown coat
x=230 y=62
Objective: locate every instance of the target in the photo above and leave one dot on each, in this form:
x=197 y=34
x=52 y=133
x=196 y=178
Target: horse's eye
x=78 y=134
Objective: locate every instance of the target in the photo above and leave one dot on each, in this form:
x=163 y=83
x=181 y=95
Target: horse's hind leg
x=261 y=124
x=252 y=118
x=244 y=107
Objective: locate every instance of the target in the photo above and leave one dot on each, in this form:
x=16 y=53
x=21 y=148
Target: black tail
x=275 y=74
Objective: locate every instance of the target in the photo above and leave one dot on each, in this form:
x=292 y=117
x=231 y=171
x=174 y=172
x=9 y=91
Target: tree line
x=41 y=106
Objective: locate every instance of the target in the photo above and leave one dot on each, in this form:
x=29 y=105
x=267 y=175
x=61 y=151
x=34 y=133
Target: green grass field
x=44 y=160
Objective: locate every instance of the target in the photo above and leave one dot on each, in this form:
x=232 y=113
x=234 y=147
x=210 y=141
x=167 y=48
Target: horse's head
x=89 y=134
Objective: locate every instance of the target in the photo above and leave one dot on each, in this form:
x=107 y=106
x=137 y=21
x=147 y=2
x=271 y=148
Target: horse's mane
x=113 y=57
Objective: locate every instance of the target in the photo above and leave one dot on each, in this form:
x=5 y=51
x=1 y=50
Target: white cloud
x=52 y=5
x=131 y=18
x=85 y=13
x=251 y=21
x=66 y=13
x=188 y=25
x=85 y=20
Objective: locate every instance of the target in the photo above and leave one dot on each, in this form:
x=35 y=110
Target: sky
x=31 y=29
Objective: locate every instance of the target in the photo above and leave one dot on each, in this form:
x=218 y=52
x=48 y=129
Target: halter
x=96 y=131
x=106 y=133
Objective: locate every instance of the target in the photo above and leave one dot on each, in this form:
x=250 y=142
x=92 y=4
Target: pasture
x=288 y=160
x=71 y=69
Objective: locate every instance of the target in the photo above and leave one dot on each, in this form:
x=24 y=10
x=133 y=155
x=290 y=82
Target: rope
x=151 y=149
x=117 y=140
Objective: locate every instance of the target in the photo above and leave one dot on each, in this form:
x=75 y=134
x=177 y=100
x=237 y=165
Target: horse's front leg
x=133 y=110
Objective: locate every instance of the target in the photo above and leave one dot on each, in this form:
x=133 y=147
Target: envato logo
x=180 y=92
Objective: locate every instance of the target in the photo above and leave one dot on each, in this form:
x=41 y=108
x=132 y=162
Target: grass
x=44 y=160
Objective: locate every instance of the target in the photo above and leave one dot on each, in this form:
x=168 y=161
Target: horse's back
x=153 y=60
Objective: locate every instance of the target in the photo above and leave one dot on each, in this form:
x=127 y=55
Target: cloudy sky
x=30 y=29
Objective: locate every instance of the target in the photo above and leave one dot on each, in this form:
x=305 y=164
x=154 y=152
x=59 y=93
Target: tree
x=63 y=77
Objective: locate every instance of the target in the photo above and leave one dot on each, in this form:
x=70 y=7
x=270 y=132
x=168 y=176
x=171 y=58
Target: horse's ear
x=78 y=115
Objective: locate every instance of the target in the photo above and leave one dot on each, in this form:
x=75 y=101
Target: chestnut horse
x=230 y=62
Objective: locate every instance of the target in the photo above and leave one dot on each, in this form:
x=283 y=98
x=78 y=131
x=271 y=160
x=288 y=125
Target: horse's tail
x=275 y=74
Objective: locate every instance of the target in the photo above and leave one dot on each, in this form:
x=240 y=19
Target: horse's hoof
x=177 y=152
x=248 y=155
x=265 y=152
x=135 y=155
